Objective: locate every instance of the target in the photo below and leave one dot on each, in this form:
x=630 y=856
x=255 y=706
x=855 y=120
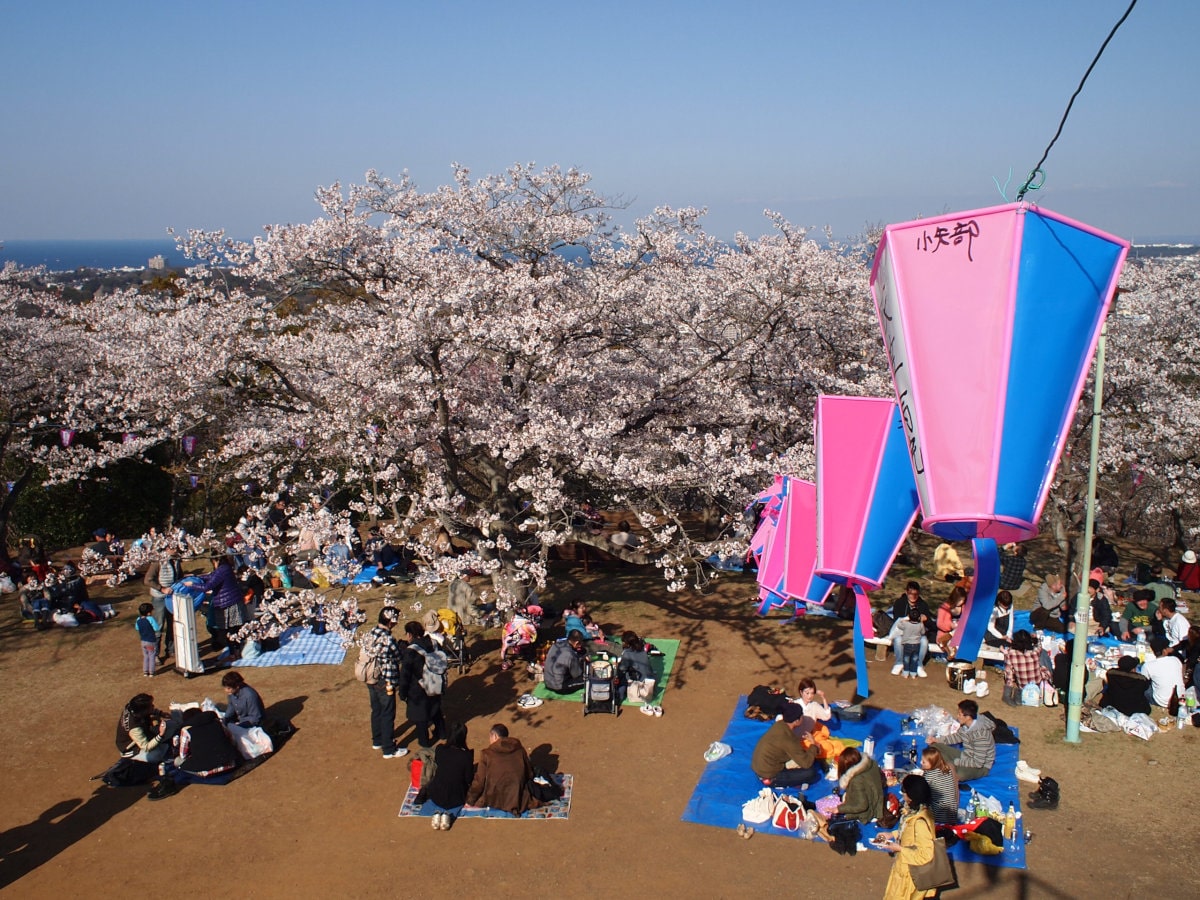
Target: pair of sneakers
x=649 y=710
x=442 y=821
x=528 y=701
x=395 y=753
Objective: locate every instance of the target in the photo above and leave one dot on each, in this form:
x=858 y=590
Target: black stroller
x=600 y=687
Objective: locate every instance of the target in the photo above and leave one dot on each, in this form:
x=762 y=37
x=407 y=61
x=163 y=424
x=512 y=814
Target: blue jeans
x=912 y=657
x=383 y=717
x=433 y=809
x=796 y=777
x=898 y=649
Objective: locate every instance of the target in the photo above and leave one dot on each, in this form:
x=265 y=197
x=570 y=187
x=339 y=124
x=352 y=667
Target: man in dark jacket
x=785 y=756
x=900 y=609
x=564 y=665
x=502 y=776
x=424 y=709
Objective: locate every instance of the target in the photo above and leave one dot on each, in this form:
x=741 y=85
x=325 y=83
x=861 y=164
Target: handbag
x=1049 y=694
x=788 y=813
x=759 y=808
x=936 y=873
x=641 y=691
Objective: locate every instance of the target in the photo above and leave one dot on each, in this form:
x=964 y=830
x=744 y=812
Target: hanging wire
x=1037 y=170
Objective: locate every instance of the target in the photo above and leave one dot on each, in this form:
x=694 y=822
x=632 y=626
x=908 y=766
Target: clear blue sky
x=124 y=118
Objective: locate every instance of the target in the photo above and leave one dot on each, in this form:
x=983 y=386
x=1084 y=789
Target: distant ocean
x=66 y=256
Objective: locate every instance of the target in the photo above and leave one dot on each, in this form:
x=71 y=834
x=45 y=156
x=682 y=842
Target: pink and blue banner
x=866 y=501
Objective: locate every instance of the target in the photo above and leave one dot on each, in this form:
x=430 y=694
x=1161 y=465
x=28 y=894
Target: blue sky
x=124 y=118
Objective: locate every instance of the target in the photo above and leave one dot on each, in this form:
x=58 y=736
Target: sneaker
x=647 y=710
x=165 y=788
x=897 y=669
x=1026 y=772
x=921 y=673
x=657 y=711
x=528 y=701
x=377 y=746
x=969 y=686
x=395 y=753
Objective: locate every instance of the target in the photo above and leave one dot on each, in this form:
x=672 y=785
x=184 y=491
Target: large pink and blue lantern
x=866 y=501
x=785 y=547
x=990 y=319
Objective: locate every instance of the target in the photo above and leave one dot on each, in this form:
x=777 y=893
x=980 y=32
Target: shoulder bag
x=936 y=873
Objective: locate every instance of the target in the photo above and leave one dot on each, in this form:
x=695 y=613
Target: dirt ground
x=319 y=818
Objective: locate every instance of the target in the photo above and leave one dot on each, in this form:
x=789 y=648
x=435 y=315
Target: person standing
x=226 y=607
x=160 y=575
x=913 y=845
x=380 y=645
x=148 y=629
x=423 y=703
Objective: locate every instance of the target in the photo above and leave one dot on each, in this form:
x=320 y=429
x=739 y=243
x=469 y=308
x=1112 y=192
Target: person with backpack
x=423 y=670
x=378 y=668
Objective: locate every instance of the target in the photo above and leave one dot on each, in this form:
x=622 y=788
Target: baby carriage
x=600 y=688
x=446 y=630
x=520 y=635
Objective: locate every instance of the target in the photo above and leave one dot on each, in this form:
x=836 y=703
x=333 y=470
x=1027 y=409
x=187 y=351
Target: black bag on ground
x=544 y=788
x=126 y=772
x=845 y=834
x=767 y=699
x=1001 y=733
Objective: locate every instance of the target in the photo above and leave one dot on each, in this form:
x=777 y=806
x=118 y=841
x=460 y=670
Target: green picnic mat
x=662 y=672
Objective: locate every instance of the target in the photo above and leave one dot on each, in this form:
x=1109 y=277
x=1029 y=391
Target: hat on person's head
x=1189 y=556
x=791 y=712
x=1143 y=595
x=100 y=533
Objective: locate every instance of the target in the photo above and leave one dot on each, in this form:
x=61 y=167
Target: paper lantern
x=66 y=436
x=990 y=319
x=788 y=549
x=189 y=445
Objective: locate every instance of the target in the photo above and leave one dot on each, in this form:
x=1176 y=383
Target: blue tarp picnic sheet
x=556 y=809
x=729 y=782
x=298 y=646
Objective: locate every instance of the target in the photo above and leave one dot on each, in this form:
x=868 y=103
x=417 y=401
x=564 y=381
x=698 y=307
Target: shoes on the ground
x=897 y=669
x=165 y=788
x=647 y=710
x=1026 y=772
x=982 y=689
x=395 y=753
x=657 y=710
x=441 y=821
x=528 y=701
x=921 y=673
x=505 y=666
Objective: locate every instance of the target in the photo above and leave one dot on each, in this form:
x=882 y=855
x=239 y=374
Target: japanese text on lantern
x=946 y=236
x=886 y=297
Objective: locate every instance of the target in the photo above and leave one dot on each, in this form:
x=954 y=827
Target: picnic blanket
x=298 y=646
x=557 y=809
x=729 y=782
x=662 y=666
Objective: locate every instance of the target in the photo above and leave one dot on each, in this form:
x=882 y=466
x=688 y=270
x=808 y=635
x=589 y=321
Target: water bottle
x=868 y=747
x=1189 y=697
x=912 y=753
x=1181 y=716
x=1141 y=647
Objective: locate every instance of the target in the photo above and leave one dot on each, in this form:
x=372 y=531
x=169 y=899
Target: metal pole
x=1082 y=604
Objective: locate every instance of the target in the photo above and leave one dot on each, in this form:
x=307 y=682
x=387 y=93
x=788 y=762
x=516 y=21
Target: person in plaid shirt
x=380 y=644
x=1022 y=665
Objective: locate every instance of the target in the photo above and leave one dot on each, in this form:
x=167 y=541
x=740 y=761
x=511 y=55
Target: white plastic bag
x=717 y=750
x=1140 y=725
x=251 y=742
x=1031 y=694
x=759 y=809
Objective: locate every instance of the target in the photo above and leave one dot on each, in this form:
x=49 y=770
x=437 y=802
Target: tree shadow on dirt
x=26 y=847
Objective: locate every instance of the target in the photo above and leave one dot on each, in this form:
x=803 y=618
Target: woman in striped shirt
x=943 y=786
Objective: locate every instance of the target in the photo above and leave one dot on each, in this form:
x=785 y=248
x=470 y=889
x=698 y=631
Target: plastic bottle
x=912 y=753
x=1181 y=716
x=1189 y=697
x=868 y=747
x=973 y=809
x=1010 y=823
x=1141 y=647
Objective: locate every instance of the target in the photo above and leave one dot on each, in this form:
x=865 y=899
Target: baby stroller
x=600 y=688
x=450 y=636
x=520 y=635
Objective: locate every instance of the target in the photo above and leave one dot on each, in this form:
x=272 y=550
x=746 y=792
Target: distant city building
x=158 y=262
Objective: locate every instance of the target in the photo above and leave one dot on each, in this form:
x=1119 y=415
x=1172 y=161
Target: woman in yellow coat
x=914 y=846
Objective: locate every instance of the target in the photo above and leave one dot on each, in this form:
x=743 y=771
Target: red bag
x=789 y=813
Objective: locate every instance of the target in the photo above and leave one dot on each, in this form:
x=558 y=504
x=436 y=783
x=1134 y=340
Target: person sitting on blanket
x=454 y=769
x=564 y=668
x=1022 y=666
x=634 y=664
x=861 y=784
x=1137 y=618
x=205 y=750
x=943 y=786
x=1174 y=623
x=785 y=756
x=816 y=707
x=972 y=751
x=244 y=706
x=1051 y=607
x=144 y=732
x=1165 y=673
x=502 y=776
x=1125 y=688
